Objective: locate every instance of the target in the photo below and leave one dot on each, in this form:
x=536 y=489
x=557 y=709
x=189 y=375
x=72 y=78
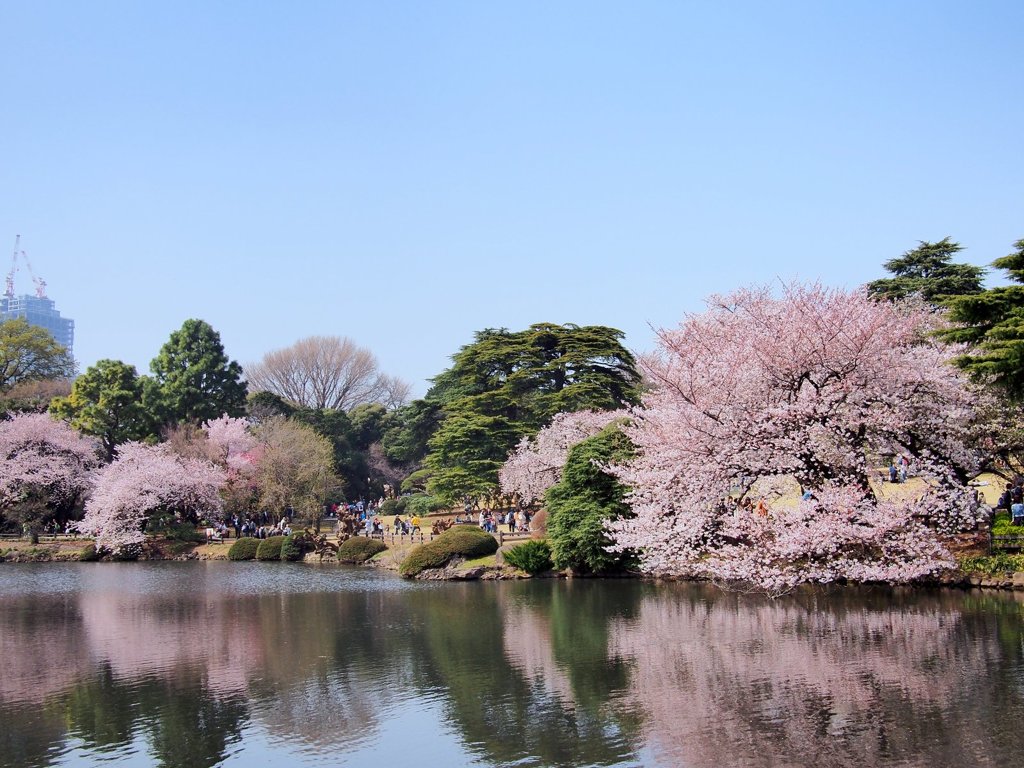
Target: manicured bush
x=244 y=549
x=270 y=549
x=531 y=556
x=359 y=549
x=393 y=507
x=465 y=541
x=295 y=546
x=89 y=554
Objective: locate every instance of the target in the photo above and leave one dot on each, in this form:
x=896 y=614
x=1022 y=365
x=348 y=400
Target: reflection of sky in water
x=250 y=664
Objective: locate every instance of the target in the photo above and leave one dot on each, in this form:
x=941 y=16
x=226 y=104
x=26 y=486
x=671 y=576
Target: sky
x=405 y=174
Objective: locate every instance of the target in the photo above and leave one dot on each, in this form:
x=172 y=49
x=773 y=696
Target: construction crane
x=39 y=283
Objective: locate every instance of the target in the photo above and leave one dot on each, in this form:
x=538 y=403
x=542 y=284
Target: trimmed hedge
x=270 y=549
x=392 y=507
x=359 y=549
x=466 y=541
x=244 y=549
x=531 y=556
x=294 y=546
x=422 y=506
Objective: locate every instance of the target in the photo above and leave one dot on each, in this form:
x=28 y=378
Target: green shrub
x=89 y=554
x=359 y=549
x=270 y=549
x=178 y=531
x=423 y=505
x=295 y=546
x=993 y=565
x=465 y=541
x=1003 y=525
x=531 y=556
x=244 y=549
x=393 y=507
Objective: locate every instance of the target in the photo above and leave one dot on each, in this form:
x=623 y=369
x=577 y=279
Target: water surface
x=239 y=664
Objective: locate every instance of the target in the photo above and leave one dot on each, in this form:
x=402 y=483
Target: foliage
x=585 y=499
x=196 y=381
x=536 y=464
x=244 y=549
x=394 y=506
x=422 y=506
x=416 y=482
x=349 y=462
x=33 y=396
x=532 y=556
x=359 y=549
x=464 y=541
x=992 y=565
x=262 y=405
x=295 y=546
x=993 y=322
x=88 y=554
x=106 y=402
x=812 y=385
x=1002 y=525
x=270 y=548
x=295 y=466
x=326 y=372
x=45 y=468
x=405 y=440
x=149 y=485
x=508 y=384
x=928 y=271
x=29 y=352
x=177 y=530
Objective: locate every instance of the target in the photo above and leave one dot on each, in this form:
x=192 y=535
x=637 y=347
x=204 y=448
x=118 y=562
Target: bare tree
x=325 y=372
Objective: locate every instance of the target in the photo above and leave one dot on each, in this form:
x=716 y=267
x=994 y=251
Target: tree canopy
x=196 y=380
x=326 y=372
x=29 y=352
x=509 y=384
x=929 y=271
x=107 y=402
x=812 y=386
x=993 y=322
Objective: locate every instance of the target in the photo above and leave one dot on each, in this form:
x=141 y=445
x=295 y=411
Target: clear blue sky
x=407 y=173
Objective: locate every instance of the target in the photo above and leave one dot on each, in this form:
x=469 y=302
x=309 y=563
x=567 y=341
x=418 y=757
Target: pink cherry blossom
x=537 y=462
x=816 y=385
x=43 y=462
x=146 y=479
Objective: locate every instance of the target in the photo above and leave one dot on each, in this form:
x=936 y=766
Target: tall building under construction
x=37 y=310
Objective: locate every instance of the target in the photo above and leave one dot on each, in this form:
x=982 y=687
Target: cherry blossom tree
x=147 y=481
x=45 y=467
x=816 y=385
x=536 y=463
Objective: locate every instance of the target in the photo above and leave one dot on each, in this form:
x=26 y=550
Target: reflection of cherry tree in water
x=732 y=680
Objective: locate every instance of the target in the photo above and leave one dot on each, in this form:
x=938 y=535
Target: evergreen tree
x=928 y=270
x=584 y=499
x=993 y=321
x=509 y=384
x=107 y=402
x=196 y=380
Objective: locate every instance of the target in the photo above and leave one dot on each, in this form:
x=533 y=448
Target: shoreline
x=68 y=551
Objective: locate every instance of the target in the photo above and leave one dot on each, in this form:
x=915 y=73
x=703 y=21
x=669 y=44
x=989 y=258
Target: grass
x=477 y=562
x=992 y=565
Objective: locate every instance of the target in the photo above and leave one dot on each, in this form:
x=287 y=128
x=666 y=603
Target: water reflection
x=191 y=665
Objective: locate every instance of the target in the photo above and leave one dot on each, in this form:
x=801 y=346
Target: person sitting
x=214 y=536
x=1017 y=512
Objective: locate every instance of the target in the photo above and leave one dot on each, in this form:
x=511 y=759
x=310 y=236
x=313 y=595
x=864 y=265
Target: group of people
x=515 y=521
x=1012 y=500
x=898 y=469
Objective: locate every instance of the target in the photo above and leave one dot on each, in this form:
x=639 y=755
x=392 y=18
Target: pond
x=238 y=664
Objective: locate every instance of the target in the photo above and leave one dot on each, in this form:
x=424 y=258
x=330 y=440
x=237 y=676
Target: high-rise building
x=39 y=310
